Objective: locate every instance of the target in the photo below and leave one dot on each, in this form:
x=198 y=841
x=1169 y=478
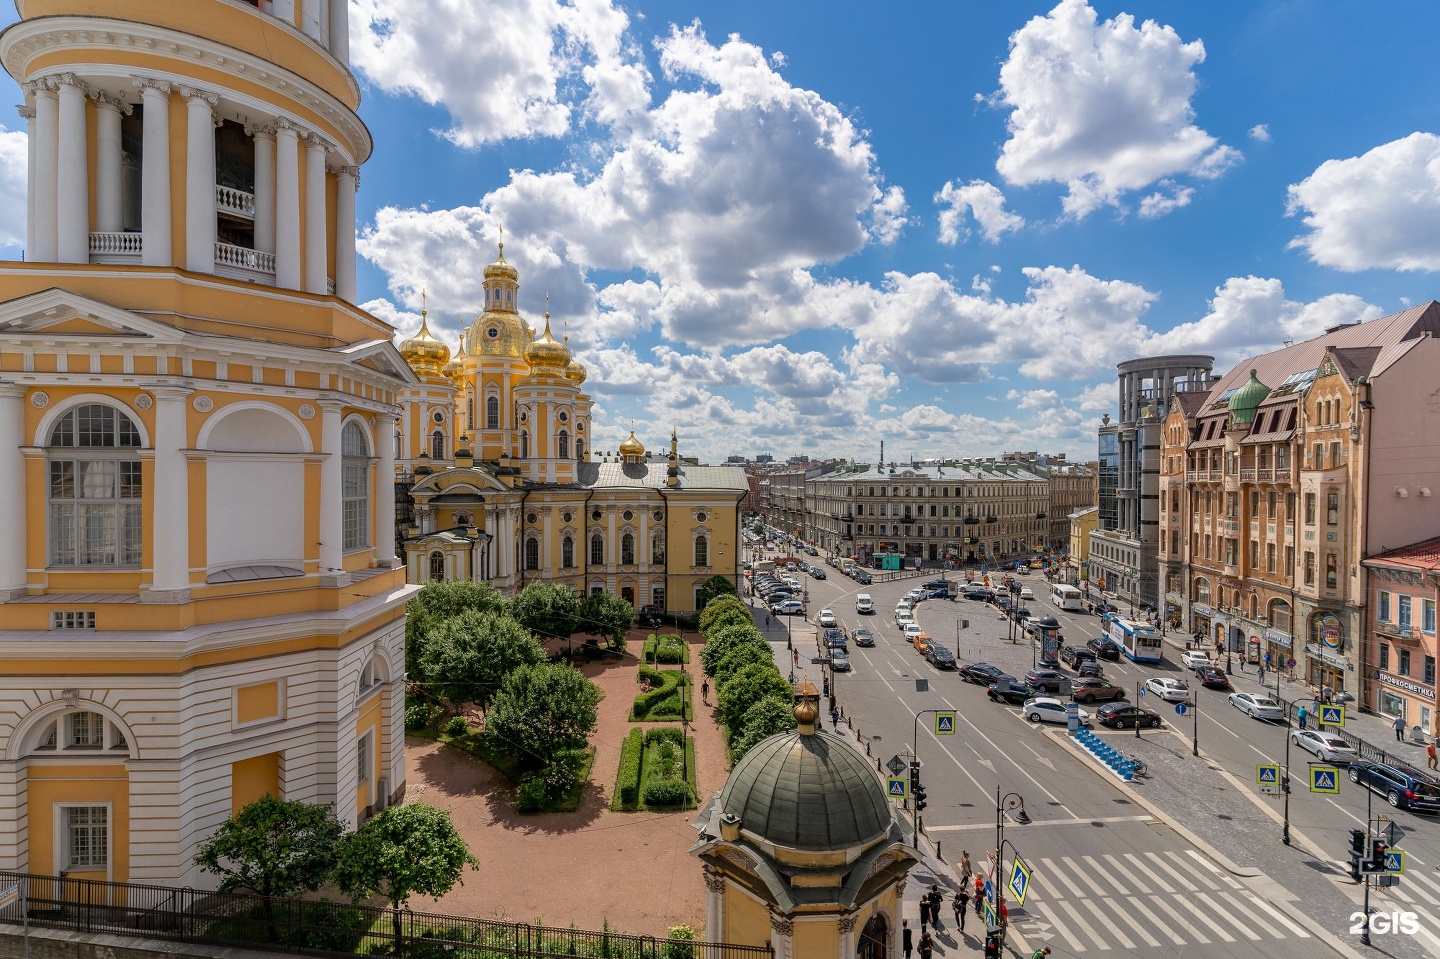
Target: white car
x=911 y=630
x=1170 y=690
x=1027 y=593
x=915 y=595
x=1326 y=745
x=1044 y=709
x=827 y=619
x=904 y=603
x=864 y=604
x=903 y=618
x=1259 y=707
x=1194 y=659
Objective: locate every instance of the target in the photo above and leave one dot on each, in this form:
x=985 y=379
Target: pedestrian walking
x=958 y=905
x=924 y=912
x=1315 y=709
x=1040 y=953
x=1325 y=694
x=1399 y=729
x=907 y=943
x=936 y=898
x=1430 y=758
x=1267 y=660
x=1301 y=715
x=965 y=868
x=705 y=691
x=767 y=620
x=835 y=717
x=927 y=946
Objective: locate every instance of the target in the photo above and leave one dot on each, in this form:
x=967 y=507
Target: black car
x=1403 y=787
x=1003 y=602
x=1126 y=716
x=1212 y=678
x=649 y=617
x=834 y=638
x=937 y=584
x=1091 y=690
x=1104 y=647
x=981 y=674
x=1008 y=689
x=1049 y=680
x=940 y=657
x=863 y=636
x=1020 y=613
x=1073 y=656
x=817 y=573
x=860 y=576
x=976 y=591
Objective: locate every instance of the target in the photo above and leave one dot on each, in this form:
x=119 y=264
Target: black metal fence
x=316 y=927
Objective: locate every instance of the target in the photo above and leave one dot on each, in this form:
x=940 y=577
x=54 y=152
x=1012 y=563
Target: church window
x=437 y=445
x=627 y=550
x=437 y=565
x=470 y=409
x=597 y=550
x=567 y=552
x=524 y=445
x=579 y=449
x=492 y=412
x=562 y=445
x=657 y=550
x=94 y=492
x=702 y=551
x=532 y=553
x=355 y=486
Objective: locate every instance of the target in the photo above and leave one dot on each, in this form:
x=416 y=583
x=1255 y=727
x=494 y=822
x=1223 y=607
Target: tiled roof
x=1355 y=362
x=974 y=472
x=1424 y=555
x=1191 y=402
x=610 y=475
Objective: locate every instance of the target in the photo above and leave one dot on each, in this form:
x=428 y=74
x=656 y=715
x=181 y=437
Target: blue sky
x=804 y=227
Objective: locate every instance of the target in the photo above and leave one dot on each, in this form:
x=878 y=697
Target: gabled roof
x=381 y=356
x=61 y=313
x=1190 y=402
x=1356 y=361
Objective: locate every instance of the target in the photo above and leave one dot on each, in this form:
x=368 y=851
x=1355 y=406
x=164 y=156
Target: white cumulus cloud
x=14 y=148
x=978 y=199
x=1260 y=132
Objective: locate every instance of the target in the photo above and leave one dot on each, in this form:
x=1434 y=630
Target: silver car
x=1326 y=745
x=1259 y=707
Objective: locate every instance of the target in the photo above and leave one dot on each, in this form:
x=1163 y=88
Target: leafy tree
x=547 y=609
x=469 y=655
x=541 y=710
x=731 y=616
x=404 y=850
x=717 y=606
x=716 y=585
x=723 y=640
x=437 y=601
x=605 y=614
x=744 y=688
x=765 y=718
x=742 y=655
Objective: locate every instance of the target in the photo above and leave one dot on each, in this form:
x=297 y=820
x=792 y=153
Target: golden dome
x=632 y=446
x=547 y=354
x=425 y=354
x=500 y=333
x=574 y=372
x=501 y=269
x=456 y=367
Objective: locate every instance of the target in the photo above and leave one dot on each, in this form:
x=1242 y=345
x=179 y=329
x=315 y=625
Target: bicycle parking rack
x=1108 y=756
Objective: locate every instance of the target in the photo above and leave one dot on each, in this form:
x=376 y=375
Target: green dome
x=1245 y=400
x=807 y=791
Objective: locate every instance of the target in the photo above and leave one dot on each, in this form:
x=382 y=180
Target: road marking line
x=1179 y=878
x=1038 y=785
x=1179 y=922
x=1117 y=868
x=1200 y=914
x=1060 y=928
x=1135 y=860
x=1079 y=921
x=1237 y=903
x=1043 y=822
x=1101 y=875
x=1204 y=862
x=1206 y=881
x=1134 y=924
x=1225 y=914
x=1079 y=868
x=1052 y=871
x=1104 y=916
x=1279 y=917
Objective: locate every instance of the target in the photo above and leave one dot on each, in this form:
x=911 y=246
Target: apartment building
x=1399 y=647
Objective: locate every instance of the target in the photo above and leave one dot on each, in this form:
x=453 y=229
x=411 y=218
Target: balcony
x=972 y=520
x=236 y=203
x=241 y=263
x=116 y=247
x=1247 y=476
x=1401 y=632
x=992 y=519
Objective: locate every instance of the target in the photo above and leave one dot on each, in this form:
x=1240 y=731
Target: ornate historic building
x=199 y=596
x=495 y=452
x=1399 y=647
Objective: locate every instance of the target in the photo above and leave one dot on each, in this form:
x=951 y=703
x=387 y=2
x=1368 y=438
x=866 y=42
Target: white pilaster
x=199 y=179
x=332 y=520
x=340 y=30
x=384 y=519
x=284 y=10
x=782 y=933
x=264 y=138
x=42 y=187
x=287 y=205
x=12 y=489
x=317 y=256
x=155 y=172
x=72 y=185
x=109 y=213
x=310 y=19
x=28 y=113
x=715 y=906
x=172 y=489
x=347 y=179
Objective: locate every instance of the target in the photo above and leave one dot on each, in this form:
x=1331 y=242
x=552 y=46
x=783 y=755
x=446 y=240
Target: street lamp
x=1003 y=805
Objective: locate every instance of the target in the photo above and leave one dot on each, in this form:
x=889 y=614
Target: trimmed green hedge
x=664 y=703
x=659 y=734
x=627 y=781
x=671 y=650
x=663 y=784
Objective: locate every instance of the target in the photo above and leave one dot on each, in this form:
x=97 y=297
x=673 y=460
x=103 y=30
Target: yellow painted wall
x=257 y=702
x=747 y=922
x=250 y=779
x=47 y=785
x=817 y=938
x=371 y=720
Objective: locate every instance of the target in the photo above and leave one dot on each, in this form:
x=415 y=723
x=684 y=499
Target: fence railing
x=317 y=927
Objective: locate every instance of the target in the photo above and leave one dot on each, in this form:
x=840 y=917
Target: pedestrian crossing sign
x=1332 y=715
x=897 y=787
x=1324 y=779
x=944 y=724
x=1019 y=880
x=1267 y=775
x=1395 y=861
x=992 y=921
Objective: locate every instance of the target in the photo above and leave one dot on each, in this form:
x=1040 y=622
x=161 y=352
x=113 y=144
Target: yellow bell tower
x=200 y=601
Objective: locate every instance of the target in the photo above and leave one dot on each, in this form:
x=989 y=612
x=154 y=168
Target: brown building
x=1403 y=586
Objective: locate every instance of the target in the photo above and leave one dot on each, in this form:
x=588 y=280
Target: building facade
x=199 y=597
x=1083 y=522
x=1072 y=489
x=1402 y=589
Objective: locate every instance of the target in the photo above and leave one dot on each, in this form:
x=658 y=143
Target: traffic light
x=1378 y=848
x=914 y=776
x=1357 y=852
x=920 y=798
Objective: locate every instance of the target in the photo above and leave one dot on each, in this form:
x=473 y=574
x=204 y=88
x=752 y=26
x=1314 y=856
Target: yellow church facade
x=200 y=597
x=495 y=451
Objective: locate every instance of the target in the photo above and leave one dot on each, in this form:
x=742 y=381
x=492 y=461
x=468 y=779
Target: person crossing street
x=958 y=905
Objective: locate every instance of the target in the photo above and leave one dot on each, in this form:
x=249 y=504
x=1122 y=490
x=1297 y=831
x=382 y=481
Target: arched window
x=524 y=445
x=562 y=445
x=1279 y=615
x=627 y=549
x=702 y=551
x=437 y=565
x=492 y=412
x=78 y=731
x=437 y=445
x=579 y=449
x=597 y=550
x=464 y=519
x=94 y=495
x=657 y=550
x=567 y=552
x=355 y=486
x=1202 y=590
x=532 y=553
x=469 y=408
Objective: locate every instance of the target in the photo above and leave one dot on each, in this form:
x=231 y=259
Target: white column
x=715 y=905
x=284 y=10
x=155 y=172
x=347 y=179
x=317 y=257
x=172 y=494
x=847 y=935
x=199 y=179
x=28 y=113
x=264 y=138
x=310 y=18
x=781 y=930
x=12 y=489
x=109 y=213
x=332 y=520
x=385 y=496
x=72 y=185
x=340 y=30
x=287 y=205
x=47 y=147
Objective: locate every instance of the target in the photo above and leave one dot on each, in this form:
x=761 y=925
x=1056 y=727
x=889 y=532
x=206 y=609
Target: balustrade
x=117 y=244
x=235 y=202
x=240 y=258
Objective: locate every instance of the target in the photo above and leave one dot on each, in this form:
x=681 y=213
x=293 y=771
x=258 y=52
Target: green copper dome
x=807 y=791
x=1245 y=400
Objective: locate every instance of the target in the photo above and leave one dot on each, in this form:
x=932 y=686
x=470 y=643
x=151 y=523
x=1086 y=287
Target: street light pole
x=1285 y=786
x=1009 y=801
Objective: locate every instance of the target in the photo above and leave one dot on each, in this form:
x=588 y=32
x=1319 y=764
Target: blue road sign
x=1332 y=715
x=1019 y=880
x=989 y=892
x=1324 y=779
x=1267 y=774
x=944 y=724
x=1181 y=709
x=897 y=787
x=1395 y=861
x=1142 y=692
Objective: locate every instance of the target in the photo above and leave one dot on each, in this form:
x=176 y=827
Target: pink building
x=1400 y=648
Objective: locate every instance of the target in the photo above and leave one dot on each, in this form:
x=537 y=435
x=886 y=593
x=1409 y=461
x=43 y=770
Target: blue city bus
x=1139 y=642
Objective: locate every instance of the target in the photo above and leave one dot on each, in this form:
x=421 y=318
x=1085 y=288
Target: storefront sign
x=1427 y=692
x=1200 y=609
x=1325 y=656
x=1277 y=638
x=1328 y=628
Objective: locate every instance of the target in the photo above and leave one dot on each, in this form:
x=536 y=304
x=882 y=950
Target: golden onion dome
x=547 y=354
x=574 y=372
x=424 y=353
x=456 y=367
x=501 y=269
x=500 y=333
x=632 y=446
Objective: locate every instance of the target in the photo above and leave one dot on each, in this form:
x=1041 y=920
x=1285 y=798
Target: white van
x=864 y=604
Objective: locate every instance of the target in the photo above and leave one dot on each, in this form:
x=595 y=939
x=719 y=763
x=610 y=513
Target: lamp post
x=1285 y=786
x=1004 y=804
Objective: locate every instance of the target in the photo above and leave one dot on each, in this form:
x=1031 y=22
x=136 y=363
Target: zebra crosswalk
x=1152 y=900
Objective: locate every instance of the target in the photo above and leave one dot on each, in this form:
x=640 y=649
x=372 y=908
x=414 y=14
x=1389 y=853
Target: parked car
x=1049 y=680
x=1019 y=613
x=1330 y=747
x=863 y=637
x=976 y=591
x=827 y=618
x=1092 y=690
x=916 y=594
x=940 y=656
x=903 y=618
x=1126 y=716
x=860 y=576
x=1104 y=647
x=1194 y=659
x=937 y=584
x=1043 y=709
x=1259 y=707
x=982 y=674
x=817 y=573
x=1212 y=678
x=833 y=637
x=790 y=607
x=864 y=605
x=1170 y=690
x=1074 y=656
x=840 y=660
x=1403 y=787
x=1008 y=689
